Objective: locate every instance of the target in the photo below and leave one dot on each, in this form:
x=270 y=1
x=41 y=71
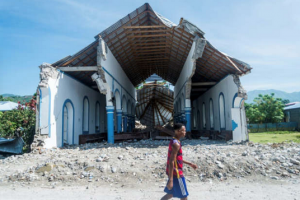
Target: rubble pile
x=144 y=161
x=139 y=125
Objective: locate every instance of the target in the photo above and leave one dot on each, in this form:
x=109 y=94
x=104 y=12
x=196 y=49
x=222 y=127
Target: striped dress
x=177 y=171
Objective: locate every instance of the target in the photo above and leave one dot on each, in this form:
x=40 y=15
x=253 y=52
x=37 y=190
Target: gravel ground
x=136 y=170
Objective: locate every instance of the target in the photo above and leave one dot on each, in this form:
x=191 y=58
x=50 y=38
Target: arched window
x=198 y=119
x=211 y=114
x=68 y=123
x=194 y=117
x=222 y=111
x=85 y=118
x=179 y=106
x=97 y=117
x=203 y=116
x=182 y=102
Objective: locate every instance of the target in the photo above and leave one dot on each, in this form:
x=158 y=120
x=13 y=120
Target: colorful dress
x=179 y=186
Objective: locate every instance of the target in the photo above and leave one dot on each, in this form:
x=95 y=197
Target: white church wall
x=44 y=113
x=184 y=76
x=228 y=88
x=116 y=77
x=66 y=87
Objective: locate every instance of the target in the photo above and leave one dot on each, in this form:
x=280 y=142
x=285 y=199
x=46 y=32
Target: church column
x=119 y=120
x=188 y=118
x=124 y=122
x=110 y=124
x=182 y=117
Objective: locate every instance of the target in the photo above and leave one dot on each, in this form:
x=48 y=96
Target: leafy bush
x=24 y=116
x=266 y=109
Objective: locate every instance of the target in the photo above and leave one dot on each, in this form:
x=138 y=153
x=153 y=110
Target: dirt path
x=209 y=191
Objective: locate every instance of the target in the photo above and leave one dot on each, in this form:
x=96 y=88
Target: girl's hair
x=178 y=126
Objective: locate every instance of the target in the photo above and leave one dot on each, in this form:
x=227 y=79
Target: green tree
x=285 y=101
x=6 y=98
x=266 y=109
x=24 y=116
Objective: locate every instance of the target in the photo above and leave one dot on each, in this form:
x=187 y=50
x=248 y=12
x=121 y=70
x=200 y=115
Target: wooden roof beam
x=199 y=89
x=204 y=83
x=146 y=36
x=150 y=31
x=142 y=27
x=78 y=68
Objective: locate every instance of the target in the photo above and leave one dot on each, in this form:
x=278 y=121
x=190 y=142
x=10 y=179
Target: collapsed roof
x=144 y=42
x=155 y=104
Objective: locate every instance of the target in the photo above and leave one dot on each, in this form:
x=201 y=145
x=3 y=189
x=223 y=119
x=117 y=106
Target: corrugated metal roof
x=7 y=105
x=11 y=145
x=292 y=107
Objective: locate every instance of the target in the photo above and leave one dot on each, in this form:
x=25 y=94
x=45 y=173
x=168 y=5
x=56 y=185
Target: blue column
x=183 y=120
x=119 y=120
x=128 y=123
x=110 y=124
x=124 y=122
x=188 y=118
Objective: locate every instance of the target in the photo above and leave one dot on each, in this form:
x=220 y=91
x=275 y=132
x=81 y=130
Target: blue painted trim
x=213 y=110
x=49 y=113
x=236 y=94
x=188 y=118
x=110 y=124
x=63 y=120
x=125 y=103
x=119 y=120
x=125 y=122
x=40 y=103
x=121 y=96
x=234 y=125
x=85 y=132
x=241 y=102
x=118 y=83
x=68 y=101
x=97 y=131
x=116 y=90
x=113 y=84
x=221 y=93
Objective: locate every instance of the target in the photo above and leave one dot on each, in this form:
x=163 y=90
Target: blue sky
x=263 y=33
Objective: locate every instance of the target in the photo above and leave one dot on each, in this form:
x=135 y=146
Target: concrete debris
x=139 y=125
x=134 y=161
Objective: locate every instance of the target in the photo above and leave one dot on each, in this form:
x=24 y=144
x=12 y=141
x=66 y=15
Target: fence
x=283 y=126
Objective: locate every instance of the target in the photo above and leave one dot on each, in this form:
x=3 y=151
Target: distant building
x=7 y=105
x=292 y=103
x=292 y=113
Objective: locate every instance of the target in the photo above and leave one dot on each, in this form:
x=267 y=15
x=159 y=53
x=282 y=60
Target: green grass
x=275 y=137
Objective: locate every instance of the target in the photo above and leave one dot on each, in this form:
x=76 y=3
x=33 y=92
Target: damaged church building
x=95 y=91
